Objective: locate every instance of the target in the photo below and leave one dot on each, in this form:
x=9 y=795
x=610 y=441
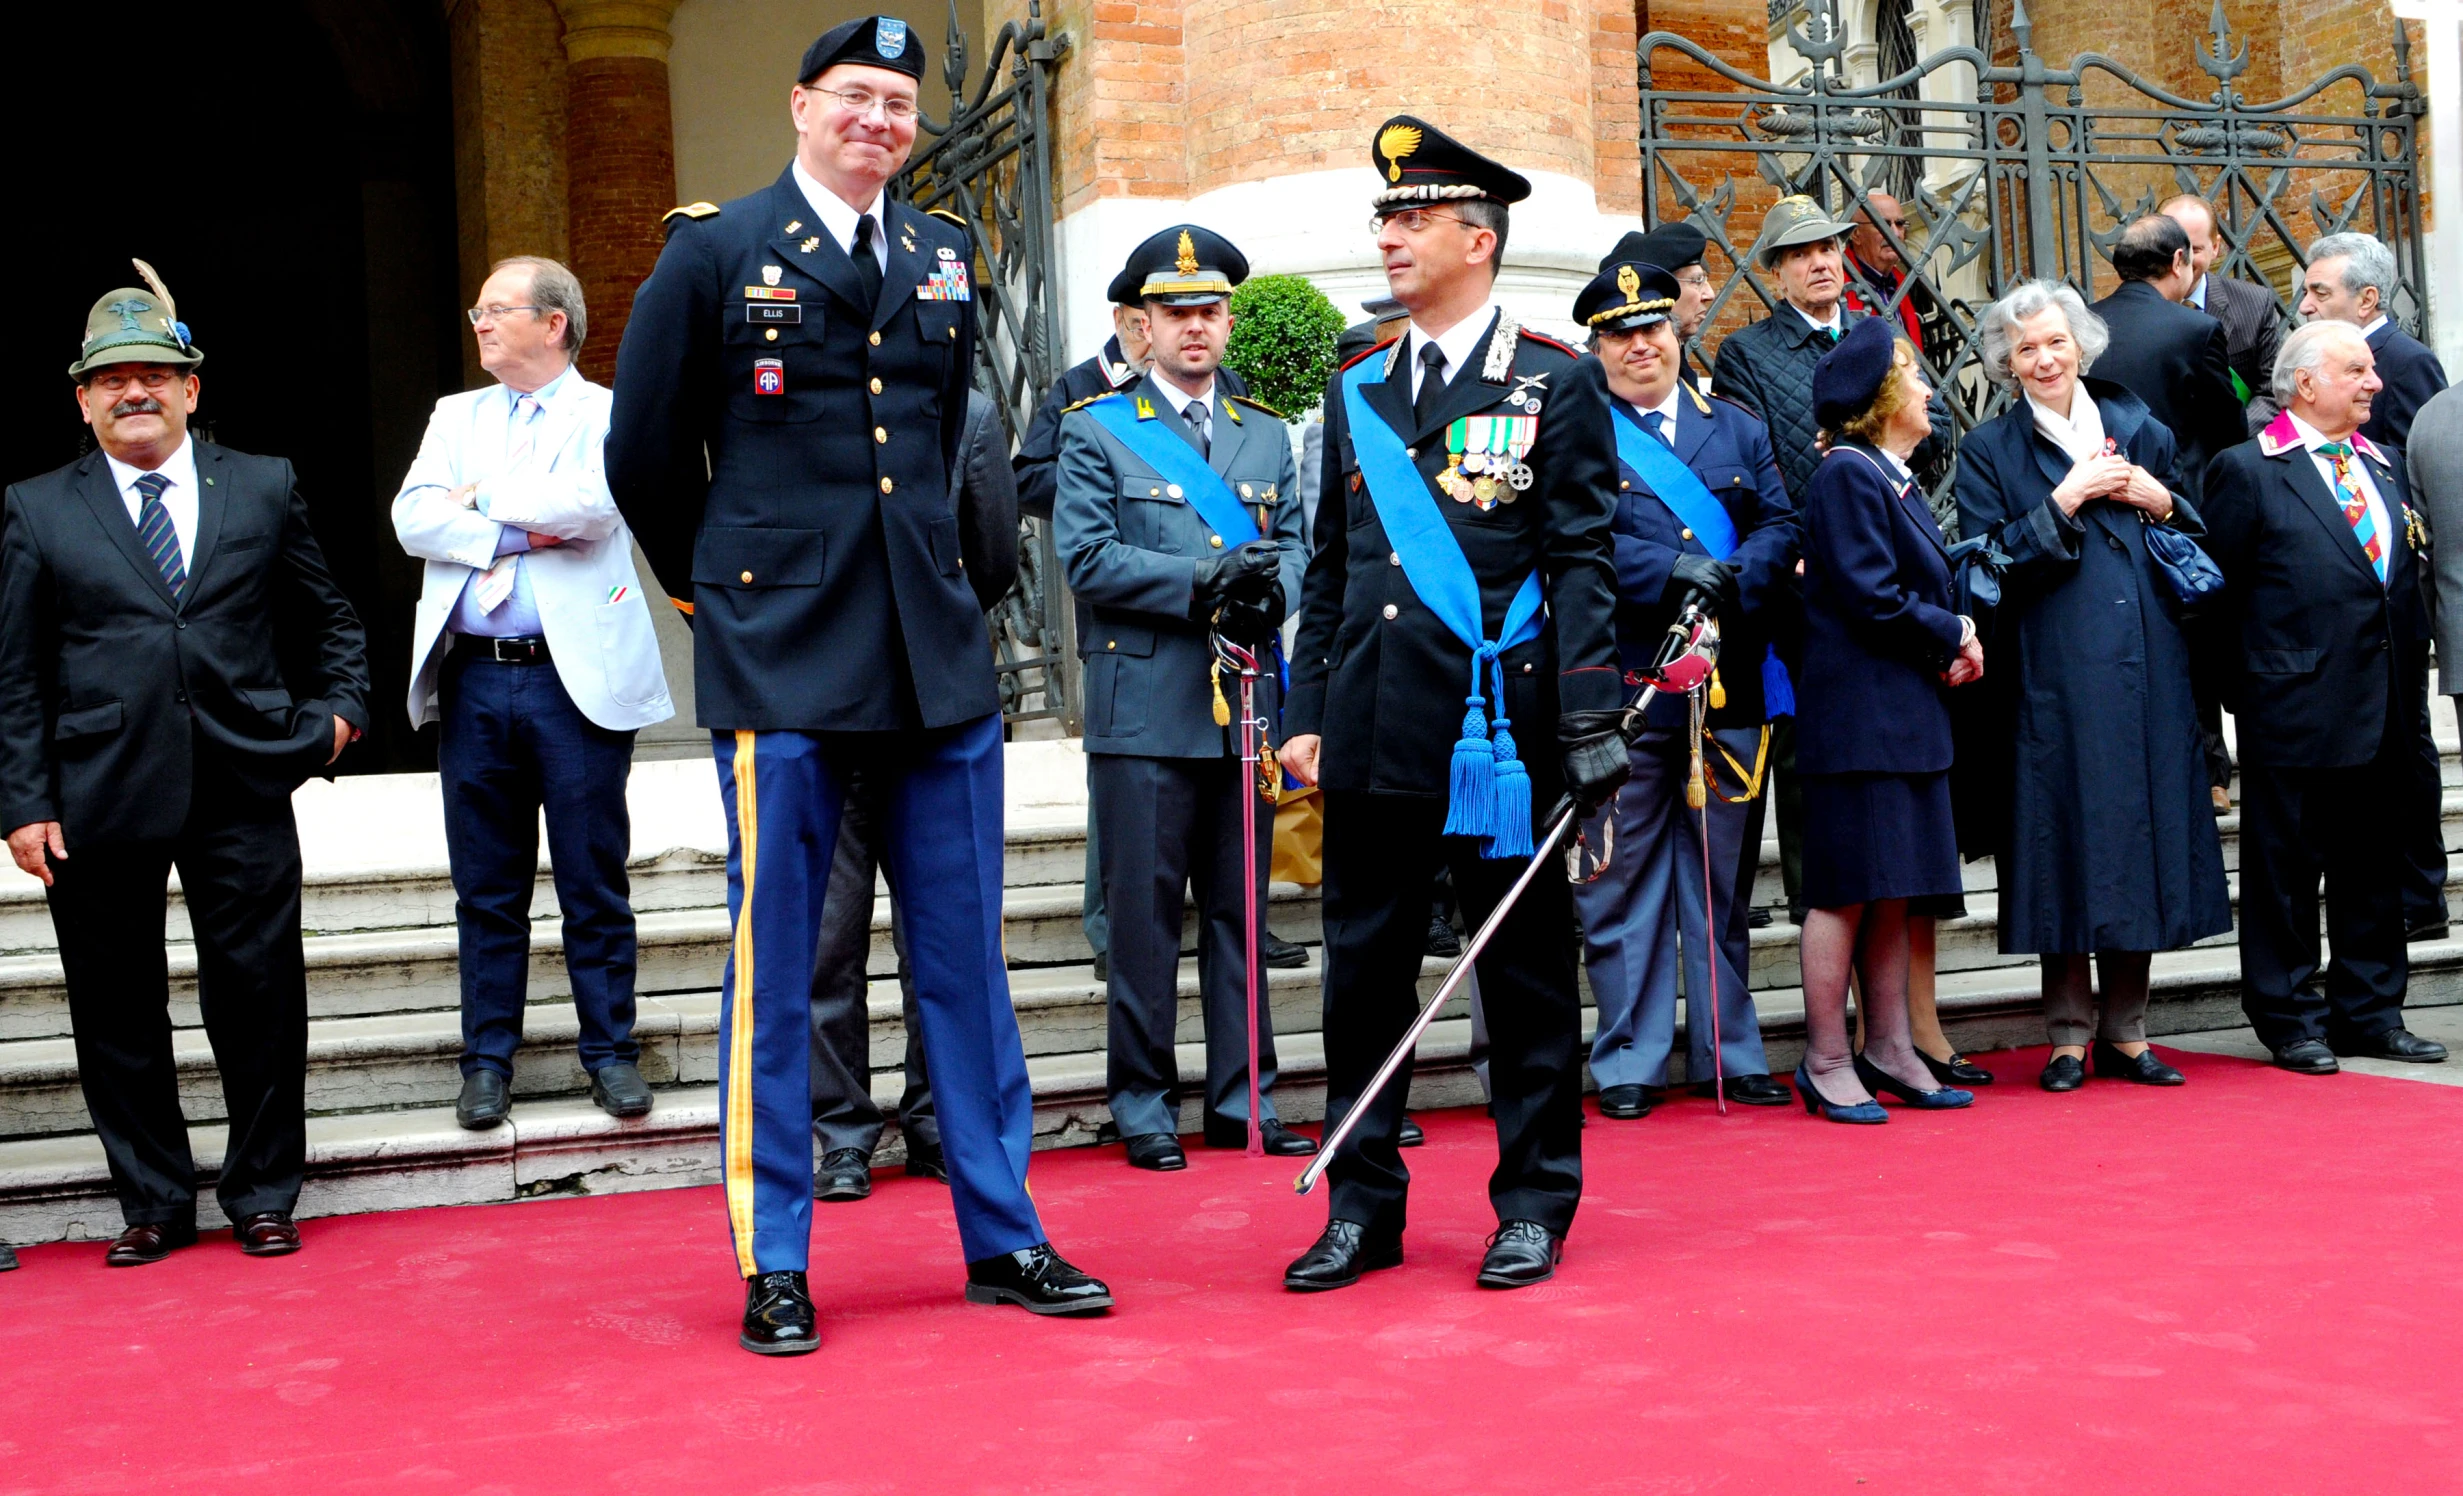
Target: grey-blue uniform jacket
x=811 y=532
x=1129 y=544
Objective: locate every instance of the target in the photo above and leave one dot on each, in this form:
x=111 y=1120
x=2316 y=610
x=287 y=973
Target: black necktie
x=1656 y=423
x=1195 y=414
x=867 y=264
x=1432 y=385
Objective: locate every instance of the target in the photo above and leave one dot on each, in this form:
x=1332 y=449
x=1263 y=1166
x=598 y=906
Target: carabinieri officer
x=1469 y=475
x=813 y=344
x=1177 y=514
x=1702 y=517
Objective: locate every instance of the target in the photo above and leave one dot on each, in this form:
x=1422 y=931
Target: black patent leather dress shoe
x=2307 y=1057
x=1626 y=1103
x=1442 y=941
x=1957 y=1070
x=925 y=1161
x=151 y=1242
x=1410 y=1135
x=1280 y=1141
x=1103 y=966
x=1037 y=1280
x=268 y=1233
x=2063 y=1072
x=778 y=1318
x=1759 y=919
x=619 y=1090
x=485 y=1099
x=1281 y=954
x=2142 y=1068
x=1520 y=1254
x=1339 y=1256
x=1159 y=1151
x=2394 y=1044
x=1755 y=1090
x=843 y=1174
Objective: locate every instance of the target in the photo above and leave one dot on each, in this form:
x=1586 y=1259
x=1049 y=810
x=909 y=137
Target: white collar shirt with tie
x=1181 y=400
x=2379 y=518
x=1835 y=326
x=516 y=613
x=1459 y=343
x=839 y=219
x=1666 y=410
x=179 y=499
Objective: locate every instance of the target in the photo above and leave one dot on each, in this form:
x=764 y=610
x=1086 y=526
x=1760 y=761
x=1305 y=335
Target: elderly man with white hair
x=2327 y=640
x=2105 y=847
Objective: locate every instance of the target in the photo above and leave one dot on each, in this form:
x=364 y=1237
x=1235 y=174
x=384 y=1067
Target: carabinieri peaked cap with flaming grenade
x=1421 y=164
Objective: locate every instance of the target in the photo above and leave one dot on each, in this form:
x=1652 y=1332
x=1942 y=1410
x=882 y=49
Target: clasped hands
x=2109 y=475
x=1240 y=592
x=468 y=497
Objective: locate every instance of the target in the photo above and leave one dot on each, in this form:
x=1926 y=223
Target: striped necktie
x=2355 y=504
x=496 y=583
x=156 y=533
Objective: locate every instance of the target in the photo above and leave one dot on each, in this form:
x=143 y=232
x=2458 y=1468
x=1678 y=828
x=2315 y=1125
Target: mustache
x=143 y=405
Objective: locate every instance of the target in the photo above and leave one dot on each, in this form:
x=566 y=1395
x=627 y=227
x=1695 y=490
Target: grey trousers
x=2069 y=999
x=844 y=1114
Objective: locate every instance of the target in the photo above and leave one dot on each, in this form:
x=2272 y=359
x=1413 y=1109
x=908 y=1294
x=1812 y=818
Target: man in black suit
x=2351 y=278
x=2327 y=639
x=174 y=660
x=2253 y=323
x=2175 y=359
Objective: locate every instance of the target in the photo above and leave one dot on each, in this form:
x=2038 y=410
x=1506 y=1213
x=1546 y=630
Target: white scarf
x=2082 y=434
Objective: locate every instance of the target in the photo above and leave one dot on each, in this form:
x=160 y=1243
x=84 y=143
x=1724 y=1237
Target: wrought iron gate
x=991 y=164
x=2012 y=172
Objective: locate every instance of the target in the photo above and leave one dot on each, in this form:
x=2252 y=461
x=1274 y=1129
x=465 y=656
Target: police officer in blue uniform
x=1178 y=516
x=789 y=398
x=1702 y=518
x=1469 y=474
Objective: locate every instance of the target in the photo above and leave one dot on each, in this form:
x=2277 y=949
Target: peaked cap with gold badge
x=1624 y=297
x=1419 y=163
x=1184 y=265
x=135 y=325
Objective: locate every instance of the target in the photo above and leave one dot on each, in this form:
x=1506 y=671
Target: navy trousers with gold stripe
x=783 y=792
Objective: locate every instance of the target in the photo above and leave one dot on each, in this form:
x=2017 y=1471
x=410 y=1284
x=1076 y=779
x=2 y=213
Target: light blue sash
x=1488 y=790
x=1170 y=454
x=1699 y=510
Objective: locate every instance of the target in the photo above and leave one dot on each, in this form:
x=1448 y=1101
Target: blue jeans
x=515 y=745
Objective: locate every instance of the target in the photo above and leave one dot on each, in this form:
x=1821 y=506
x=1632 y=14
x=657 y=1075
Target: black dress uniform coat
x=812 y=565
x=2411 y=374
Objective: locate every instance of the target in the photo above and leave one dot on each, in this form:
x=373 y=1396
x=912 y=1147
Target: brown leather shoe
x=151 y=1242
x=268 y=1233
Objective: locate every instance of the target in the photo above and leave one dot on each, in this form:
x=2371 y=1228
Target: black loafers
x=2394 y=1044
x=1410 y=1136
x=1037 y=1280
x=2063 y=1072
x=1755 y=1090
x=778 y=1318
x=152 y=1242
x=2307 y=1057
x=1280 y=1141
x=485 y=1099
x=1159 y=1151
x=619 y=1090
x=1626 y=1103
x=1443 y=943
x=1281 y=954
x=2142 y=1068
x=1520 y=1254
x=1339 y=1256
x=924 y=1161
x=843 y=1174
x=1957 y=1070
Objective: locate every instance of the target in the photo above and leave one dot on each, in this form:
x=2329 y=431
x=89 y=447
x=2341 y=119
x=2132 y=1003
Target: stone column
x=620 y=157
x=508 y=140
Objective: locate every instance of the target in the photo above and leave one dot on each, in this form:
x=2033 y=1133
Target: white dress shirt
x=180 y=498
x=2080 y=434
x=1181 y=400
x=1835 y=326
x=1461 y=343
x=1667 y=411
x=2197 y=294
x=2387 y=536
x=2369 y=328
x=839 y=219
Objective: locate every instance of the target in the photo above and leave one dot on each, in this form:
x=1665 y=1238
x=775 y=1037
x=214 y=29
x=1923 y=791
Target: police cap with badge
x=1626 y=298
x=1183 y=265
x=135 y=325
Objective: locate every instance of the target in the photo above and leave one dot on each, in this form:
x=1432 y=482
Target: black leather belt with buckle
x=531 y=651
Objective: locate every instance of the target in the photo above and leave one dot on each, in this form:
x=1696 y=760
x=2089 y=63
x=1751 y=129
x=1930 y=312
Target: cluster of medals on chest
x=1484 y=464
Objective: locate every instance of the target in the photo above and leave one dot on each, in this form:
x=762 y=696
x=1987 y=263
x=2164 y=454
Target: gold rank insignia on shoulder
x=1254 y=404
x=1089 y=400
x=691 y=210
x=1145 y=408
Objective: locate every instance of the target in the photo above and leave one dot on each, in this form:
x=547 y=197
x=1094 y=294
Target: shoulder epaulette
x=947 y=217
x=1256 y=404
x=691 y=210
x=1541 y=337
x=1089 y=400
x=1701 y=402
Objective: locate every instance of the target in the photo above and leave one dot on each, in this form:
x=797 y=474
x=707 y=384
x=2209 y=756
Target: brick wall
x=621 y=144
x=1616 y=109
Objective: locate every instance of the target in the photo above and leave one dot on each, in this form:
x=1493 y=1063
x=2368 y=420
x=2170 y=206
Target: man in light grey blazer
x=1177 y=514
x=533 y=646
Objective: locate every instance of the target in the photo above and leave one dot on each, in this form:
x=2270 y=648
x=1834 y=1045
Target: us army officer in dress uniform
x=1178 y=513
x=812 y=344
x=1702 y=516
x=1469 y=474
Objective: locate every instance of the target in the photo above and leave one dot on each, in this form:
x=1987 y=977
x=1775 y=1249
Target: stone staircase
x=385 y=1027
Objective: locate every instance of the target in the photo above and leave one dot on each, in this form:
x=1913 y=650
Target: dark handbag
x=2192 y=573
x=1976 y=566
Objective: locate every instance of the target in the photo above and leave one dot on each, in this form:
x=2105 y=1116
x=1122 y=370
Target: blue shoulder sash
x=1488 y=790
x=1170 y=454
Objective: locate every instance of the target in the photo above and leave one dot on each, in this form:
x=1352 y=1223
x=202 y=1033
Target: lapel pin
x=794 y=226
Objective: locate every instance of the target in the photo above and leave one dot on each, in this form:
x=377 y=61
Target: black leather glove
x=1594 y=756
x=1699 y=577
x=1219 y=574
x=1251 y=616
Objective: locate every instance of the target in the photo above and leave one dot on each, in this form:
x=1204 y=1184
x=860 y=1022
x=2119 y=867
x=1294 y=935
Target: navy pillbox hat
x=873 y=41
x=1851 y=373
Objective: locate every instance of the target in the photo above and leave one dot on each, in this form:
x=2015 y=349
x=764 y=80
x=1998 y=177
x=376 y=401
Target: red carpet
x=2246 y=1287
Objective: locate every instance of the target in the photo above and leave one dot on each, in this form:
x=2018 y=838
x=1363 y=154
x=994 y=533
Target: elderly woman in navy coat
x=1872 y=727
x=2108 y=847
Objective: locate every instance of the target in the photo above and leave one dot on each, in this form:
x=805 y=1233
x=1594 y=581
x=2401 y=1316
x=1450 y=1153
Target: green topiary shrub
x=1282 y=341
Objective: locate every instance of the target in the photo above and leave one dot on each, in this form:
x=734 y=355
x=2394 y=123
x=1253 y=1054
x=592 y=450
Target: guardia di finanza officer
x=789 y=399
x=1469 y=472
x=1176 y=516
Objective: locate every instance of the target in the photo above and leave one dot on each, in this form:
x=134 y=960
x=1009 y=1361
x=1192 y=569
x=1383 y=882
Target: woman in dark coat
x=1872 y=728
x=2109 y=844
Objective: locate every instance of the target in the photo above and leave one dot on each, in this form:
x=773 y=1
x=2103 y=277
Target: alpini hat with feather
x=135 y=325
x=1421 y=164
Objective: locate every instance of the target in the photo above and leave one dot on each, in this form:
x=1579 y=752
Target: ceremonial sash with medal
x=1488 y=791
x=1698 y=510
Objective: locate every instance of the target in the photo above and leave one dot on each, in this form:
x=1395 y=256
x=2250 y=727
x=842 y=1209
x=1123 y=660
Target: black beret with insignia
x=872 y=41
x=1625 y=297
x=1183 y=265
x=1419 y=163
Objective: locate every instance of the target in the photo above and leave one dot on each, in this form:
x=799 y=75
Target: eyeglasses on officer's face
x=481 y=314
x=862 y=101
x=152 y=381
x=1412 y=220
